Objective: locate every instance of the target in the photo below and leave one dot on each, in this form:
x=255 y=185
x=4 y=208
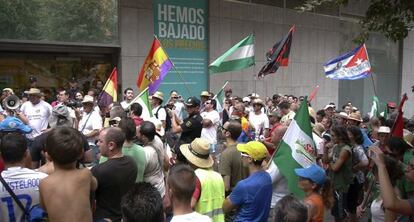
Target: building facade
x=123 y=33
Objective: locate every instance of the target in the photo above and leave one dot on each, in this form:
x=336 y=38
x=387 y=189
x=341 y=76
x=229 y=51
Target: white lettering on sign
x=181 y=22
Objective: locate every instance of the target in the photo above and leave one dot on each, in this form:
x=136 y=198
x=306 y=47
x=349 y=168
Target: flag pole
x=222 y=88
x=179 y=73
x=254 y=64
x=137 y=97
x=372 y=73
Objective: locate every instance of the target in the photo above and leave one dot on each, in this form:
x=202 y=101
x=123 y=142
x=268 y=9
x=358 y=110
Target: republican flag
x=238 y=57
x=297 y=148
x=155 y=68
x=110 y=90
x=352 y=65
x=278 y=55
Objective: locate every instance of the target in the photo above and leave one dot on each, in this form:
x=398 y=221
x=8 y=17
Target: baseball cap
x=192 y=101
x=314 y=173
x=329 y=106
x=384 y=129
x=13 y=124
x=391 y=104
x=254 y=149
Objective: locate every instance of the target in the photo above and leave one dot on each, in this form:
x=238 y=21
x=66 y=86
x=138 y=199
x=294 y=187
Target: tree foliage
x=59 y=20
x=393 y=18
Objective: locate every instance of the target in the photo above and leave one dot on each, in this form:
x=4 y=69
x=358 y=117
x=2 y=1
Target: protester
x=142 y=203
x=182 y=183
x=259 y=120
x=128 y=97
x=35 y=113
x=131 y=149
x=157 y=110
x=204 y=96
x=211 y=119
x=179 y=107
x=340 y=169
x=23 y=182
x=318 y=191
x=135 y=113
x=252 y=195
x=115 y=176
x=153 y=173
x=359 y=166
x=64 y=148
x=209 y=193
x=290 y=209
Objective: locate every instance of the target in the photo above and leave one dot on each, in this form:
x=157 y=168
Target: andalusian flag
x=109 y=91
x=240 y=56
x=155 y=68
x=219 y=97
x=143 y=100
x=297 y=149
x=374 y=108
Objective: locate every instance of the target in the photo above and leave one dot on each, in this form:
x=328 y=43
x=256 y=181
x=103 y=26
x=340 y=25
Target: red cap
x=391 y=104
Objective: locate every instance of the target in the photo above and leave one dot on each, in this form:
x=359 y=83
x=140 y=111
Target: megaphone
x=11 y=102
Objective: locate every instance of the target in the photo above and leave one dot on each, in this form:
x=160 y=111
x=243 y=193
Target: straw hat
x=198 y=153
x=258 y=101
x=355 y=116
x=158 y=95
x=342 y=115
x=205 y=93
x=384 y=129
x=8 y=90
x=87 y=99
x=33 y=91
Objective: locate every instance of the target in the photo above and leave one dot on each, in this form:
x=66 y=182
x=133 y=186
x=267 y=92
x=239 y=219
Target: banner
x=182 y=28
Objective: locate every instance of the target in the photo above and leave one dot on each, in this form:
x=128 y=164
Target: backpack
x=168 y=123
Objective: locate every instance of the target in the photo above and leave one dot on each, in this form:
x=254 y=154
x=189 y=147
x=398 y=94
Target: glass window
x=91 y=21
x=52 y=71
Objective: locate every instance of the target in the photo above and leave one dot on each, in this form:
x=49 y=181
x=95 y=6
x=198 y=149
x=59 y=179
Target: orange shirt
x=317 y=203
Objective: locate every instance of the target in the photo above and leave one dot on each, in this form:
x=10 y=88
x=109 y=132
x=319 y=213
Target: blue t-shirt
x=253 y=196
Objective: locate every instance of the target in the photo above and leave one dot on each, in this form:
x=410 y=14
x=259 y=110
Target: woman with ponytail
x=318 y=191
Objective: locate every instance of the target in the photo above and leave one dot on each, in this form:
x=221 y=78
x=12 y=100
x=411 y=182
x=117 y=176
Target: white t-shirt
x=318 y=143
x=162 y=114
x=124 y=104
x=38 y=116
x=88 y=125
x=194 y=216
x=259 y=122
x=25 y=184
x=153 y=172
x=279 y=184
x=210 y=133
x=179 y=110
x=377 y=212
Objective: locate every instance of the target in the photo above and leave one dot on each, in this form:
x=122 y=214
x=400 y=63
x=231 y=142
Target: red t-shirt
x=197 y=191
x=137 y=120
x=1 y=165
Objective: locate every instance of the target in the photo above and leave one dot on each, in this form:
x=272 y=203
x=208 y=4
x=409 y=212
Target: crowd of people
x=193 y=160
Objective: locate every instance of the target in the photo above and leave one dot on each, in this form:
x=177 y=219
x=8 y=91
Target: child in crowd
x=318 y=191
x=65 y=193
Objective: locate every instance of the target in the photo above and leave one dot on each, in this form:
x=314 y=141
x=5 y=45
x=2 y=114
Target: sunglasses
x=244 y=155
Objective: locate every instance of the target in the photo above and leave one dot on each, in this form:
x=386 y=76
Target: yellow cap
x=256 y=150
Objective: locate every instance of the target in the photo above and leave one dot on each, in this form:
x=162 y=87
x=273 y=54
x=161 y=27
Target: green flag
x=374 y=108
x=143 y=100
x=219 y=97
x=297 y=149
x=240 y=56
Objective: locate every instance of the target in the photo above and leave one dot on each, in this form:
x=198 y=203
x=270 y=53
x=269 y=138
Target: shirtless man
x=65 y=193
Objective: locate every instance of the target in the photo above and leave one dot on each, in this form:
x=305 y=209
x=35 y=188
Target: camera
x=73 y=104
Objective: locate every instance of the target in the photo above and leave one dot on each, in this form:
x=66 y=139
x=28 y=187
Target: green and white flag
x=374 y=108
x=219 y=97
x=143 y=100
x=240 y=56
x=297 y=149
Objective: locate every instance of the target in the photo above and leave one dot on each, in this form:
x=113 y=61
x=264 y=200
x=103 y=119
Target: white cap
x=329 y=106
x=246 y=99
x=384 y=129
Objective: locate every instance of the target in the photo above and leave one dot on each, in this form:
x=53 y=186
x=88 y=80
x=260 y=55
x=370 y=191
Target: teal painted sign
x=182 y=28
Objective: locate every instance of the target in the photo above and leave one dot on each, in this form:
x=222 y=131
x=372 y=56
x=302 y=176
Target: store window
x=53 y=72
x=91 y=21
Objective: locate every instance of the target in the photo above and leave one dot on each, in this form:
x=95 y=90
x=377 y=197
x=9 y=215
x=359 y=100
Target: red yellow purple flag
x=155 y=68
x=109 y=91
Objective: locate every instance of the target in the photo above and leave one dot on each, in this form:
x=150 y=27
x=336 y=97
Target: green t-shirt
x=405 y=186
x=342 y=178
x=137 y=153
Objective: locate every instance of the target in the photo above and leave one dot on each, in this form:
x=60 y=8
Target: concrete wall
x=136 y=34
x=316 y=40
x=408 y=74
